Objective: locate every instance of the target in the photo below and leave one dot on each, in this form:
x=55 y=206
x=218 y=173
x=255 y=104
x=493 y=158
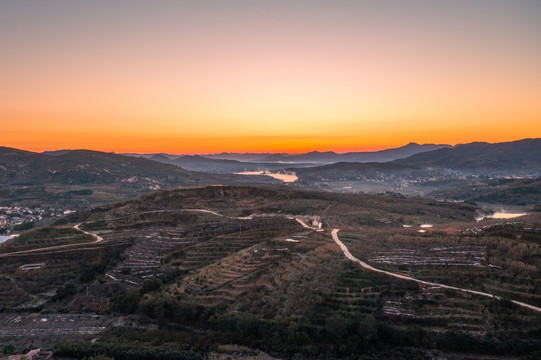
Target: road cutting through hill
x=58 y=247
x=348 y=254
x=334 y=234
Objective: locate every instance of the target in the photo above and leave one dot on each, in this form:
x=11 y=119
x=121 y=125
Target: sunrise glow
x=250 y=76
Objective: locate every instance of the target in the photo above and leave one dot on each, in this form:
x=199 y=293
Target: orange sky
x=250 y=76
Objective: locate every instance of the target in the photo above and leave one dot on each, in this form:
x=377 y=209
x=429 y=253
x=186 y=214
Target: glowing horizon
x=254 y=76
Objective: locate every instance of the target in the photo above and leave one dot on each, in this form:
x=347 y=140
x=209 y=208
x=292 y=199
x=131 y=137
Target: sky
x=267 y=76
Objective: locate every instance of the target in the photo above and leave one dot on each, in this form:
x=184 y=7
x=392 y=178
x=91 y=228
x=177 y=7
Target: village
x=17 y=218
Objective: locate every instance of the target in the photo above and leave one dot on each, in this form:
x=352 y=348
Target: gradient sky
x=293 y=76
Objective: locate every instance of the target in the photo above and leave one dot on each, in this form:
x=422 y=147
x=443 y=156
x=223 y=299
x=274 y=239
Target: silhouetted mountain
x=162 y=158
x=276 y=157
x=57 y=152
x=314 y=156
x=365 y=156
x=317 y=157
x=479 y=157
x=392 y=154
x=221 y=166
x=250 y=157
x=201 y=163
x=148 y=156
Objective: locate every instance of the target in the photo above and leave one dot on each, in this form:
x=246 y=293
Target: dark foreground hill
x=229 y=271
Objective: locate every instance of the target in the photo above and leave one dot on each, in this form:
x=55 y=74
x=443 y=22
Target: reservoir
x=505 y=215
x=502 y=215
x=285 y=177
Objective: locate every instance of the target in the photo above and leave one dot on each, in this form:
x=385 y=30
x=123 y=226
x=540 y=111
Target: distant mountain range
x=509 y=158
x=478 y=157
x=204 y=164
x=244 y=157
x=412 y=160
x=314 y=157
x=365 y=156
x=237 y=162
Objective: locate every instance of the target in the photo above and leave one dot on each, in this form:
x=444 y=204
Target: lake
x=502 y=215
x=285 y=177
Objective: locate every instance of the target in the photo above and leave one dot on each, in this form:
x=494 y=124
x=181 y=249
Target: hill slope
x=478 y=157
x=82 y=178
x=358 y=171
x=87 y=167
x=500 y=191
x=239 y=265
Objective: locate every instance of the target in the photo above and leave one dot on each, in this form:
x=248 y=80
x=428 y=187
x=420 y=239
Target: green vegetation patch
x=54 y=234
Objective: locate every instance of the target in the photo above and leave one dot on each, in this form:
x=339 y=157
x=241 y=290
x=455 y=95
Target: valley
x=270 y=180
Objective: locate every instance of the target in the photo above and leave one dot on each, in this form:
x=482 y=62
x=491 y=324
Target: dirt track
x=346 y=252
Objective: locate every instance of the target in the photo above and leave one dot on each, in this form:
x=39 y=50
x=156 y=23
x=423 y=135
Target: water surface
x=285 y=177
x=503 y=215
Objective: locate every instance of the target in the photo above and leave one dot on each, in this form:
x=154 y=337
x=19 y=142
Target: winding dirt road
x=57 y=247
x=334 y=234
x=346 y=252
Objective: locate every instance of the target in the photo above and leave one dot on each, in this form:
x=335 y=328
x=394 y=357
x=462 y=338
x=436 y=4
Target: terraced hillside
x=45 y=237
x=498 y=257
x=190 y=268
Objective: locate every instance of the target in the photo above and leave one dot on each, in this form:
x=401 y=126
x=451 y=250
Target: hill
x=316 y=157
x=358 y=172
x=520 y=156
x=81 y=178
x=244 y=157
x=87 y=167
x=437 y=171
x=190 y=272
x=219 y=166
x=522 y=192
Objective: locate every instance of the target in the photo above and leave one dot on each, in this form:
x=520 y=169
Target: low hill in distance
x=219 y=166
x=313 y=157
x=358 y=171
x=521 y=192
